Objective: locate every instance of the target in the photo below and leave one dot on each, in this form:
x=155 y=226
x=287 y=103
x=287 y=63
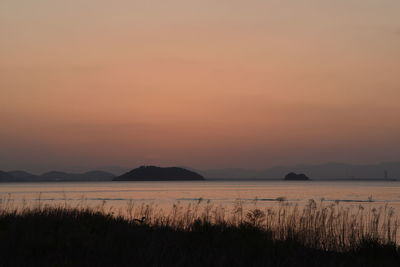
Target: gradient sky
x=206 y=84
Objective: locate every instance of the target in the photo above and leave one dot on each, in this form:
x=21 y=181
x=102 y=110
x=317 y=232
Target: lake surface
x=266 y=193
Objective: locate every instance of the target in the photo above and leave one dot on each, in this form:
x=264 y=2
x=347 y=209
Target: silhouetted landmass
x=153 y=173
x=387 y=171
x=98 y=175
x=233 y=173
x=117 y=170
x=296 y=177
x=22 y=175
x=70 y=237
x=87 y=176
x=328 y=171
x=5 y=177
x=55 y=176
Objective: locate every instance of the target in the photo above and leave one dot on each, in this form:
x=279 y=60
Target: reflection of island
x=153 y=173
x=296 y=177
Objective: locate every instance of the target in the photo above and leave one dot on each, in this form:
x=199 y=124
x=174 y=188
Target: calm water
x=117 y=194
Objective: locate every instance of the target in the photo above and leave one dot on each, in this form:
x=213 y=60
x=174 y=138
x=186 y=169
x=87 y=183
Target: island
x=154 y=173
x=296 y=177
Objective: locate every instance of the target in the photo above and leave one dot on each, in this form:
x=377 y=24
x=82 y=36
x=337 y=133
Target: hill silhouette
x=22 y=175
x=296 y=177
x=154 y=173
x=385 y=171
x=5 y=177
x=87 y=176
x=327 y=171
x=55 y=176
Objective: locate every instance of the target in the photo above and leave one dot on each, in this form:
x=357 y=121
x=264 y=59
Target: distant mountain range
x=328 y=171
x=55 y=176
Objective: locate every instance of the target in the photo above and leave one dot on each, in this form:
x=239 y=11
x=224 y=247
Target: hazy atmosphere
x=205 y=84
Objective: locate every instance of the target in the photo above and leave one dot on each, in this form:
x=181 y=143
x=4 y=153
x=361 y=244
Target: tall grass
x=196 y=234
x=323 y=226
x=317 y=225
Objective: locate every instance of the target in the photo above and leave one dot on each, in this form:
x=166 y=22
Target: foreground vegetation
x=198 y=235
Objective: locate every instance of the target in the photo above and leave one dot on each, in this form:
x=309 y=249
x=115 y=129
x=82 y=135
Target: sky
x=205 y=84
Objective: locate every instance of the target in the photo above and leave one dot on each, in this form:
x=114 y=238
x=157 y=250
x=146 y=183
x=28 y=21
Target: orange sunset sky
x=206 y=84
